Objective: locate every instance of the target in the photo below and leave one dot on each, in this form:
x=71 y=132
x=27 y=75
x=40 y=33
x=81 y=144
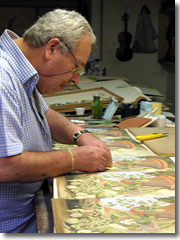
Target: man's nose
x=76 y=78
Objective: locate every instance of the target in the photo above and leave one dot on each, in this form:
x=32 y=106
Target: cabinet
x=166 y=40
x=166 y=49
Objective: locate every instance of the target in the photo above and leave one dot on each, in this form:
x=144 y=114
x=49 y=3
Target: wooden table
x=136 y=195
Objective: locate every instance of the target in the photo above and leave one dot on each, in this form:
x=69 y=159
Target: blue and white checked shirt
x=21 y=128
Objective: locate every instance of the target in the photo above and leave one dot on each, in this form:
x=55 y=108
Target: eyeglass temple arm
x=72 y=54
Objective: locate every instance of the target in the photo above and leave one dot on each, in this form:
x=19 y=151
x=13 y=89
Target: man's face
x=60 y=63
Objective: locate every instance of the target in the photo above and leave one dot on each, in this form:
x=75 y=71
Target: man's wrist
x=78 y=134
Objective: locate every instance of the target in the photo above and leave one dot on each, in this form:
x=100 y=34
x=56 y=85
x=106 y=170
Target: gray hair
x=68 y=26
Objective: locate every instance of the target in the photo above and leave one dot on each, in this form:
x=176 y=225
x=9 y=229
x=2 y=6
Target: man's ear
x=51 y=47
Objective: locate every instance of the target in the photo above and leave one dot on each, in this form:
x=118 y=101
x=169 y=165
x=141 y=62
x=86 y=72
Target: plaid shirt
x=22 y=127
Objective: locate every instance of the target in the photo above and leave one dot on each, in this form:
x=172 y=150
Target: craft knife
x=150 y=136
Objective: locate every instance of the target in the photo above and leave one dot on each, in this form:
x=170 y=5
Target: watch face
x=77 y=134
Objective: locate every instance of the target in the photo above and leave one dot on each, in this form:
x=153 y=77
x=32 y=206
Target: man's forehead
x=83 y=50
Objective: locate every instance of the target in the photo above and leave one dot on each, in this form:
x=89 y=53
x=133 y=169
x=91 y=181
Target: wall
x=105 y=18
x=143 y=68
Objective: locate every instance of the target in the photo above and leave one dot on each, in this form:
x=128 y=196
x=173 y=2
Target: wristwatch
x=78 y=133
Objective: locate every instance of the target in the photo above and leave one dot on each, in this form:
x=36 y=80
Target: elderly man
x=50 y=55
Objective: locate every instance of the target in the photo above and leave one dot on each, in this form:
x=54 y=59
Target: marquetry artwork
x=67 y=101
x=117 y=140
x=135 y=195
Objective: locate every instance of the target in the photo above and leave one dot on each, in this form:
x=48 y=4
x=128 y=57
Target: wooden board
x=135 y=195
x=119 y=87
x=113 y=184
x=115 y=215
x=145 y=199
x=68 y=101
x=133 y=122
x=160 y=146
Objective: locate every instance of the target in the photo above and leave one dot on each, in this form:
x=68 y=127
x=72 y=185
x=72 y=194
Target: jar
x=96 y=107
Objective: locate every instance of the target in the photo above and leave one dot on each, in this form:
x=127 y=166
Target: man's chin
x=52 y=91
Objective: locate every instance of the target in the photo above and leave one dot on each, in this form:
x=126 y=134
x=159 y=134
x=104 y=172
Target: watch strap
x=78 y=133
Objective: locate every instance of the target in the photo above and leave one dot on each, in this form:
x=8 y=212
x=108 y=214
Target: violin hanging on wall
x=124 y=52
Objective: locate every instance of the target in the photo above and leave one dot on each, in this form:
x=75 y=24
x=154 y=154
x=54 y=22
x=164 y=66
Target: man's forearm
x=34 y=166
x=62 y=129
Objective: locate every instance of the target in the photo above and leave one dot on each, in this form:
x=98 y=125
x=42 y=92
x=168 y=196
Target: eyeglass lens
x=79 y=70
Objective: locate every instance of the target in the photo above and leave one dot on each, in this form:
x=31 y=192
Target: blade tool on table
x=150 y=136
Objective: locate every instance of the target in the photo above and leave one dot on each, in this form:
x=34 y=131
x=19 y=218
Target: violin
x=124 y=52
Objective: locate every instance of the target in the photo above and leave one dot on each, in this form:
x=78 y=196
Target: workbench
x=120 y=192
x=49 y=193
x=163 y=150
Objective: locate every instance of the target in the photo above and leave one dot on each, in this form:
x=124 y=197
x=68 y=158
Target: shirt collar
x=23 y=68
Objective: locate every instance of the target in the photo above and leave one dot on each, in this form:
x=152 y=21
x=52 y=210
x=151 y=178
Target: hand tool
x=150 y=136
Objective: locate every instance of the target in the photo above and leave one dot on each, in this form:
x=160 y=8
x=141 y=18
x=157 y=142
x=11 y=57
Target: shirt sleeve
x=11 y=130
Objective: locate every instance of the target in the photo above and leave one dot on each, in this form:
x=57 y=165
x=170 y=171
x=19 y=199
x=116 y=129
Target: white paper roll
x=161 y=122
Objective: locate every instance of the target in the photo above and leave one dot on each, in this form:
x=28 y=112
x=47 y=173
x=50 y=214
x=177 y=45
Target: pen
x=150 y=136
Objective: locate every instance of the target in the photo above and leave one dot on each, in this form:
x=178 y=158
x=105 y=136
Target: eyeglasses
x=79 y=70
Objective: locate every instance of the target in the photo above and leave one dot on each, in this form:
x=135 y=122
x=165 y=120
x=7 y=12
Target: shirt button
x=35 y=77
x=45 y=136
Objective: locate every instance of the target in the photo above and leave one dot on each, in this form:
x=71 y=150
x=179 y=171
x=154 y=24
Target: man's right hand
x=91 y=159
